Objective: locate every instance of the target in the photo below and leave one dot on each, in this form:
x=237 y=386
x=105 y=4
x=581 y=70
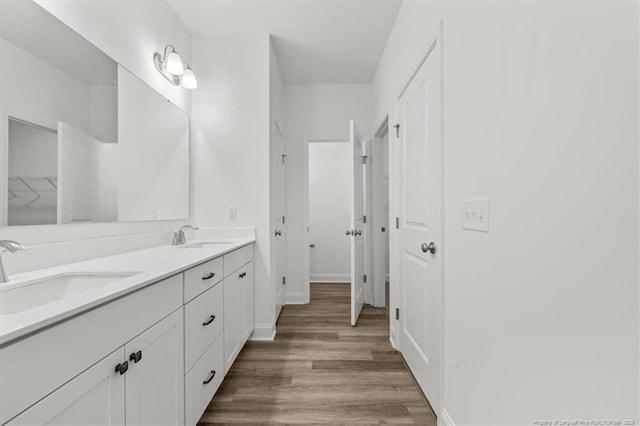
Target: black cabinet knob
x=122 y=368
x=135 y=357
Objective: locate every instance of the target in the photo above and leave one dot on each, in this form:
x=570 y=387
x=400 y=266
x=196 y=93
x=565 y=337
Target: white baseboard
x=294 y=298
x=263 y=333
x=444 y=419
x=393 y=343
x=330 y=278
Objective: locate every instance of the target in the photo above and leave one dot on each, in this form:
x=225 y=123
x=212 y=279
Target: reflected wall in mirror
x=67 y=153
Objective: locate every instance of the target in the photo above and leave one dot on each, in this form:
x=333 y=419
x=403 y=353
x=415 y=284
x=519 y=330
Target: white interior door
x=77 y=193
x=420 y=233
x=279 y=221
x=356 y=224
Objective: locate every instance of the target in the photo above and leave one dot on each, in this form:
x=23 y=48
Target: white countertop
x=152 y=265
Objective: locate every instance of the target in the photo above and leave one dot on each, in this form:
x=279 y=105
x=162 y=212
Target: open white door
x=421 y=218
x=77 y=195
x=356 y=224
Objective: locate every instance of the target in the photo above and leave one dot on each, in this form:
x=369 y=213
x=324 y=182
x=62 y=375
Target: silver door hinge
x=397 y=223
x=397 y=313
x=282 y=219
x=364 y=159
x=365 y=278
x=284 y=280
x=364 y=219
x=397 y=127
x=284 y=158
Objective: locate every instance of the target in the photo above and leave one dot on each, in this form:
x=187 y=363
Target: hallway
x=319 y=369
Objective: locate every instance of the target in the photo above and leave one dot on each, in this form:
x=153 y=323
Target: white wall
x=540 y=115
x=153 y=154
x=32 y=151
x=314 y=110
x=129 y=32
x=230 y=146
x=103 y=113
x=32 y=90
x=329 y=198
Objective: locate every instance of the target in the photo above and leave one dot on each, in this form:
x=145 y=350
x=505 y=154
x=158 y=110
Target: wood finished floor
x=320 y=370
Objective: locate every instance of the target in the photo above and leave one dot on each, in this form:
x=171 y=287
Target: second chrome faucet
x=179 y=237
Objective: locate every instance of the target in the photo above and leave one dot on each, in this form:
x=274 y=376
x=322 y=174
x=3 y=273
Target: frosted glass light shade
x=174 y=64
x=189 y=79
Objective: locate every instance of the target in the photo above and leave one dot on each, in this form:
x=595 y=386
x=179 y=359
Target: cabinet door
x=155 y=380
x=95 y=397
x=247 y=303
x=232 y=318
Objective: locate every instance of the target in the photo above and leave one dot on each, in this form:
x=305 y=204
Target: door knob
x=278 y=233
x=431 y=247
x=358 y=232
x=349 y=232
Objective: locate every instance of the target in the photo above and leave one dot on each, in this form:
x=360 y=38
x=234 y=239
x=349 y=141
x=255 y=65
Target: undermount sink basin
x=205 y=244
x=39 y=292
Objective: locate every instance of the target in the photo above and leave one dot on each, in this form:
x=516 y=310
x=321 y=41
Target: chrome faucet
x=178 y=236
x=11 y=247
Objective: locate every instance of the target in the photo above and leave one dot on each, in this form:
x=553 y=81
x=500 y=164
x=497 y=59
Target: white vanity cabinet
x=142 y=379
x=50 y=360
x=238 y=302
x=155 y=356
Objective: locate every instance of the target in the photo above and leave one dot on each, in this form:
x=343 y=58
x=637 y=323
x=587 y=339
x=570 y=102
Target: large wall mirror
x=81 y=138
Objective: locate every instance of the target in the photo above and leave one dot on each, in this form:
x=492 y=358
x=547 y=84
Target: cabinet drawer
x=237 y=258
x=202 y=382
x=203 y=319
x=201 y=278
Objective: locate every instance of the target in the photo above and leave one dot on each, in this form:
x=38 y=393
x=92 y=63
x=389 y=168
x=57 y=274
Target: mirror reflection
x=67 y=154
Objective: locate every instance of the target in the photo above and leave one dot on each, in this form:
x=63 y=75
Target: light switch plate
x=232 y=214
x=475 y=214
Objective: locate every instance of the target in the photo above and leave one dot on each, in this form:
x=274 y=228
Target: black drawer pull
x=210 y=378
x=122 y=368
x=209 y=321
x=135 y=357
x=208 y=277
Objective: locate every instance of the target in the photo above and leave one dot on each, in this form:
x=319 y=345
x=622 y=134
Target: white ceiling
x=316 y=41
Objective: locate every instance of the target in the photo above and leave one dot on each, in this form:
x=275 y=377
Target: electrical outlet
x=232 y=214
x=475 y=214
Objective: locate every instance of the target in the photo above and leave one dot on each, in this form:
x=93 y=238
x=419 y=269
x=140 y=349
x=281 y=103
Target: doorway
x=32 y=184
x=379 y=212
x=329 y=258
x=325 y=201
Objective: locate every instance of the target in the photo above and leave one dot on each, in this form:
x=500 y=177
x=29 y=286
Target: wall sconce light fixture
x=171 y=66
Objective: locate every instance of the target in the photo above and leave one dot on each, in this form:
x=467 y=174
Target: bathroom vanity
x=144 y=337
